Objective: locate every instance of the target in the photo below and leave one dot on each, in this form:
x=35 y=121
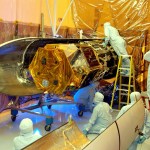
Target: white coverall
x=146 y=130
x=134 y=96
x=101 y=117
x=85 y=95
x=26 y=136
x=145 y=144
x=147 y=58
x=116 y=41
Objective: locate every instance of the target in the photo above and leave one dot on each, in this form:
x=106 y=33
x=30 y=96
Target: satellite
x=58 y=66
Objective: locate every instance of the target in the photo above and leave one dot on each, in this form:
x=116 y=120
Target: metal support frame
x=50 y=17
x=53 y=22
x=64 y=16
x=49 y=119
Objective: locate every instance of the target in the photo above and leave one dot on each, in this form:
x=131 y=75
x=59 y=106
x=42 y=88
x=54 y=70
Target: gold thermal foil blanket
x=50 y=69
x=67 y=137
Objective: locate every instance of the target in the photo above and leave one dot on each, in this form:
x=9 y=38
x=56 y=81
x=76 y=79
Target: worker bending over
x=85 y=95
x=117 y=43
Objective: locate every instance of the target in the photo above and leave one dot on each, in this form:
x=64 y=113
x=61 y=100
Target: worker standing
x=85 y=95
x=117 y=43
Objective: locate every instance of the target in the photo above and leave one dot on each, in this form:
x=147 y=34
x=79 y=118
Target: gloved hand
x=104 y=45
x=141 y=140
x=85 y=132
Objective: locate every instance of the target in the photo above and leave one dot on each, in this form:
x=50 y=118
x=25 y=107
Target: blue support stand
x=14 y=112
x=81 y=107
x=49 y=121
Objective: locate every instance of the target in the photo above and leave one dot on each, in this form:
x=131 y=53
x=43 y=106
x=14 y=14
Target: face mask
x=95 y=103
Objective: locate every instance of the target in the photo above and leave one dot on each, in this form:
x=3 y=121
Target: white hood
x=98 y=97
x=26 y=126
x=135 y=96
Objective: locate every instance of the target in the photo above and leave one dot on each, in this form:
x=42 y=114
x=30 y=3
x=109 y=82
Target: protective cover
x=130 y=17
x=125 y=15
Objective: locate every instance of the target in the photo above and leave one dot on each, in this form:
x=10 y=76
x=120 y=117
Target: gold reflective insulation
x=50 y=65
x=53 y=72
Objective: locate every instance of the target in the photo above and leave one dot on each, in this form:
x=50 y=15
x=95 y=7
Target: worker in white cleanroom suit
x=134 y=96
x=85 y=95
x=147 y=58
x=26 y=136
x=101 y=117
x=117 y=43
x=144 y=141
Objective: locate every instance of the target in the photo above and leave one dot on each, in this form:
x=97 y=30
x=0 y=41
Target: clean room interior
x=62 y=48
x=9 y=129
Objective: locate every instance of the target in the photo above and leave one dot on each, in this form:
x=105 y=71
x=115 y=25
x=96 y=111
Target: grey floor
x=60 y=113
